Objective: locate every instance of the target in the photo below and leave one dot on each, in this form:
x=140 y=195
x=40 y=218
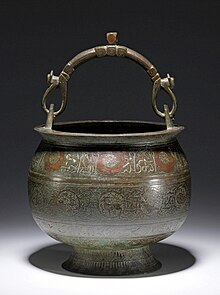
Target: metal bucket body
x=109 y=191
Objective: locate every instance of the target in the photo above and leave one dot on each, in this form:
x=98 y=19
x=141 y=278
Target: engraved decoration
x=110 y=163
x=112 y=204
x=165 y=161
x=67 y=200
x=120 y=164
x=117 y=201
x=53 y=161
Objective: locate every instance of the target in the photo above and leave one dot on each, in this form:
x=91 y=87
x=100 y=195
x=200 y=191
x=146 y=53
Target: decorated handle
x=112 y=49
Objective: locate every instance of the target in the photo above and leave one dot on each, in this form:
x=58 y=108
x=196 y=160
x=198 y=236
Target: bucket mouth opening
x=109 y=128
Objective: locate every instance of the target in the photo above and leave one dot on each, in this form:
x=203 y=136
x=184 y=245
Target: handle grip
x=112 y=49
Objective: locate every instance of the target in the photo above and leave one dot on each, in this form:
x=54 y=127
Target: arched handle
x=112 y=49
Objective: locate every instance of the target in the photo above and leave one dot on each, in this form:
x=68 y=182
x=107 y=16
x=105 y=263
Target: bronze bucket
x=109 y=188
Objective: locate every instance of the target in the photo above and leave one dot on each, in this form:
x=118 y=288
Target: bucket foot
x=108 y=262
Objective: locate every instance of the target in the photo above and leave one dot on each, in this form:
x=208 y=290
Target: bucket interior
x=109 y=127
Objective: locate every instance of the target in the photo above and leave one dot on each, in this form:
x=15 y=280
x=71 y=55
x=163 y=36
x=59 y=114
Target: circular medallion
x=164 y=161
x=110 y=163
x=68 y=201
x=53 y=161
x=112 y=204
x=181 y=195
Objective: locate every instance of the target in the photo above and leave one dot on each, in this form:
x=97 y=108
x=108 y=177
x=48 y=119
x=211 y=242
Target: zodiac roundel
x=112 y=204
x=181 y=195
x=68 y=201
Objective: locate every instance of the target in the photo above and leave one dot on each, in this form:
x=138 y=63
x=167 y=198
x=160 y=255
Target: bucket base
x=110 y=262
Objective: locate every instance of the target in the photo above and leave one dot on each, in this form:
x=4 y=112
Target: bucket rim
x=164 y=130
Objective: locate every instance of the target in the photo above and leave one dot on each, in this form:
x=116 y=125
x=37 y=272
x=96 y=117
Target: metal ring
x=156 y=87
x=62 y=83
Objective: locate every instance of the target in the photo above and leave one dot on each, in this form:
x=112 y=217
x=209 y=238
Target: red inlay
x=165 y=161
x=50 y=164
x=110 y=163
